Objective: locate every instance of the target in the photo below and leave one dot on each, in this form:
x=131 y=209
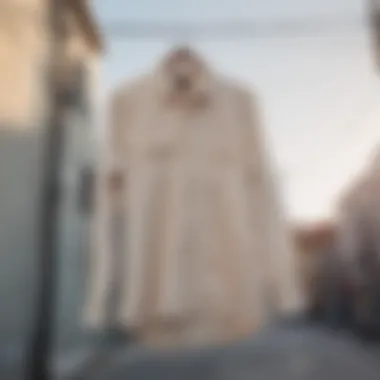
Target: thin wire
x=238 y=28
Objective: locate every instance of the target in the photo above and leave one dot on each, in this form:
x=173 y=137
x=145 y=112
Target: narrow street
x=286 y=353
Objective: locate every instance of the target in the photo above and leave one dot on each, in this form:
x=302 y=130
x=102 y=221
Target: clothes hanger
x=183 y=65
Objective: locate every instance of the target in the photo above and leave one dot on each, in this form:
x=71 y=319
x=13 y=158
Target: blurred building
x=374 y=17
x=25 y=48
x=359 y=244
x=314 y=244
x=25 y=45
x=359 y=219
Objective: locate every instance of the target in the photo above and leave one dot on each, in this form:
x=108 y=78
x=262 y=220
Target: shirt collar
x=202 y=80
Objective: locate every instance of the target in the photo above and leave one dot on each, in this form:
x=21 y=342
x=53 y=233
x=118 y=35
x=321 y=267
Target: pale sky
x=321 y=94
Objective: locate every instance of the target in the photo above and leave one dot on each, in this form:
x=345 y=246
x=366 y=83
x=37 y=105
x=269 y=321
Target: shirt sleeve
x=280 y=255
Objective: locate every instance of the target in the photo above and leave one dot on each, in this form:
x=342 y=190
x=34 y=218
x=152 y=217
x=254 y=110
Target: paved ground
x=283 y=353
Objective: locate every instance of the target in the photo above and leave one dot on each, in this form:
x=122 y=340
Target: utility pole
x=40 y=354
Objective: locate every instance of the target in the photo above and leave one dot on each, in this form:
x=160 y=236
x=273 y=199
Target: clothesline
x=232 y=28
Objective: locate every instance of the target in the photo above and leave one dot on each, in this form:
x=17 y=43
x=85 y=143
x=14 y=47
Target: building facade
x=315 y=246
x=374 y=19
x=25 y=49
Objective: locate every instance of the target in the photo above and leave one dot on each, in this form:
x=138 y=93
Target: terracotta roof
x=316 y=237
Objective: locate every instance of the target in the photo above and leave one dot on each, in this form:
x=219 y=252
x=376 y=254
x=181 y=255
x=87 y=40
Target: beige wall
x=24 y=46
x=22 y=51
